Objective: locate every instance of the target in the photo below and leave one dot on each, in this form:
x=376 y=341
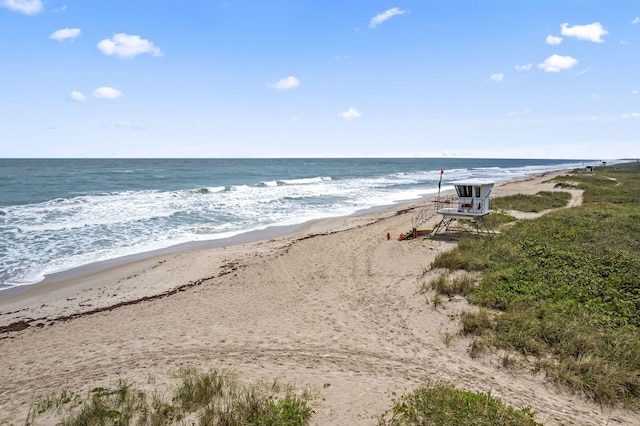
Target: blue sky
x=300 y=78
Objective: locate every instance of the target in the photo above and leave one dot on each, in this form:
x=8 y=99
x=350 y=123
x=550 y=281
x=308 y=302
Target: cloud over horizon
x=553 y=40
x=127 y=46
x=556 y=63
x=591 y=32
x=106 y=93
x=77 y=96
x=350 y=114
x=28 y=7
x=387 y=14
x=288 y=83
x=65 y=33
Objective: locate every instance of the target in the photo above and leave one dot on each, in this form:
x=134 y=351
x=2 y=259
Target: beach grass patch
x=213 y=397
x=477 y=323
x=497 y=219
x=198 y=388
x=444 y=405
x=543 y=200
x=448 y=284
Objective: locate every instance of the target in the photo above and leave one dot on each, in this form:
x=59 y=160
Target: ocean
x=59 y=214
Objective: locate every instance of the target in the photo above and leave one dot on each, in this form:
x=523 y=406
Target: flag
x=440 y=183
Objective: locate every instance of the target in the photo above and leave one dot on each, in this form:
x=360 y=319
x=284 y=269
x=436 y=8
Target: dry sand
x=334 y=303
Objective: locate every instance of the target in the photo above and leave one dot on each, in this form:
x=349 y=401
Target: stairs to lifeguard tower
x=430 y=211
x=424 y=215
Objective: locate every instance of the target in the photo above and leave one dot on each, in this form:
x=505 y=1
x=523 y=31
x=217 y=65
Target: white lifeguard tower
x=472 y=205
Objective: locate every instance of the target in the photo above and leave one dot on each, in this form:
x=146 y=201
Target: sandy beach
x=333 y=303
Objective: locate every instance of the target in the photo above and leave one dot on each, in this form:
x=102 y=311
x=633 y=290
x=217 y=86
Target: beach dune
x=333 y=305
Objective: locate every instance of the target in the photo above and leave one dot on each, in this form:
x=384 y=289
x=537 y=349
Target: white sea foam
x=65 y=232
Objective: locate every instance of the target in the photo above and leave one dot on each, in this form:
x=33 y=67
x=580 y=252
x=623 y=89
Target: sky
x=301 y=78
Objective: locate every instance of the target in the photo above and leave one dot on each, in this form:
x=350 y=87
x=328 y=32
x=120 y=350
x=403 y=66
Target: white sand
x=332 y=303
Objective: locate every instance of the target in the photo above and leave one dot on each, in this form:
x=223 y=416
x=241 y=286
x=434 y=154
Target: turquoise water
x=57 y=214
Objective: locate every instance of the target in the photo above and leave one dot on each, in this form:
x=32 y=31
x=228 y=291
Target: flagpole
x=439 y=185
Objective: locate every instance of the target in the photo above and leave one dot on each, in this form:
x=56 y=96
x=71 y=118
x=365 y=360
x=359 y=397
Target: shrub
x=443 y=405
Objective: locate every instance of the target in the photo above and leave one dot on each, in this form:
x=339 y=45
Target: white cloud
x=285 y=84
x=584 y=71
x=555 y=63
x=553 y=40
x=28 y=7
x=497 y=77
x=591 y=32
x=106 y=93
x=77 y=96
x=636 y=20
x=65 y=33
x=127 y=46
x=526 y=67
x=381 y=17
x=632 y=115
x=634 y=92
x=349 y=114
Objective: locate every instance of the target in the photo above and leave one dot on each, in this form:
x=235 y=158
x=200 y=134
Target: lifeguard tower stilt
x=472 y=206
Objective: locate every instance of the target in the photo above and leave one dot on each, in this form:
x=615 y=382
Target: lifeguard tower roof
x=473 y=182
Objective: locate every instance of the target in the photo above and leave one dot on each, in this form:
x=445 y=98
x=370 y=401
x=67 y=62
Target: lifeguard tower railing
x=430 y=211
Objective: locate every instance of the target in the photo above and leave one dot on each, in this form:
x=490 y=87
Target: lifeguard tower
x=472 y=205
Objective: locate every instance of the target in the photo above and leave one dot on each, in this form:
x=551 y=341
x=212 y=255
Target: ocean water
x=58 y=214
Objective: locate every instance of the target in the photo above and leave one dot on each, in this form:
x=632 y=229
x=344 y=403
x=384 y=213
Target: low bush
x=443 y=405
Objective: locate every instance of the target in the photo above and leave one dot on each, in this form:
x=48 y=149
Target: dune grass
x=567 y=287
x=541 y=201
x=202 y=398
x=442 y=404
x=446 y=285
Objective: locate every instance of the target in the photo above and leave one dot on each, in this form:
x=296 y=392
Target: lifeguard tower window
x=465 y=191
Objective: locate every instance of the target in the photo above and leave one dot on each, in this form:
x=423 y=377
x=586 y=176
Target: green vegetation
x=443 y=405
x=443 y=284
x=543 y=200
x=201 y=398
x=497 y=219
x=565 y=288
